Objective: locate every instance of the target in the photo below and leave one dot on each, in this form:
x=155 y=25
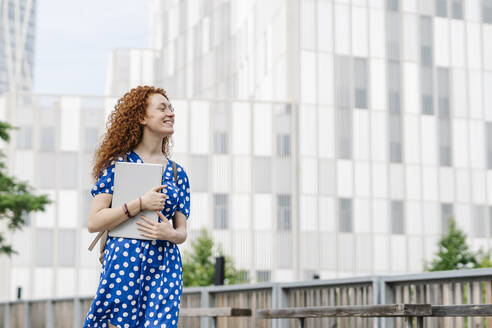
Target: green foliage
x=454 y=254
x=199 y=264
x=16 y=197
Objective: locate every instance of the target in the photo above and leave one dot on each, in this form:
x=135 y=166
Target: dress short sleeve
x=184 y=191
x=105 y=182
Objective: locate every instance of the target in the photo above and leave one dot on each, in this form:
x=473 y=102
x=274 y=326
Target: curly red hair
x=123 y=129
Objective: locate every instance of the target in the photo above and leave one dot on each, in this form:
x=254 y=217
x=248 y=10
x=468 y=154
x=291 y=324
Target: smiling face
x=159 y=117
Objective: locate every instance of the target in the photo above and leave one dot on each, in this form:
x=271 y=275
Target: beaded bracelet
x=125 y=208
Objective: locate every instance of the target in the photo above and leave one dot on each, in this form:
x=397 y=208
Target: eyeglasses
x=170 y=107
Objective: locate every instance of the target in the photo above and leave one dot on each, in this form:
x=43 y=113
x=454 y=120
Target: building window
x=283 y=145
x=360 y=82
x=220 y=142
x=24 y=137
x=221 y=211
x=284 y=213
x=66 y=250
x=263 y=275
x=47 y=138
x=479 y=221
x=91 y=135
x=44 y=248
x=487 y=11
x=442 y=8
x=489 y=144
x=397 y=217
x=395 y=138
x=457 y=6
x=446 y=215
x=392 y=5
x=426 y=39
x=345 y=215
x=344 y=133
x=426 y=81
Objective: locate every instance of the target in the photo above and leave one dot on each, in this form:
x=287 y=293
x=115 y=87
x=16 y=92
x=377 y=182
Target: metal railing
x=447 y=287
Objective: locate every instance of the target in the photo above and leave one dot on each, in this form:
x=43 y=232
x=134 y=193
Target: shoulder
x=181 y=172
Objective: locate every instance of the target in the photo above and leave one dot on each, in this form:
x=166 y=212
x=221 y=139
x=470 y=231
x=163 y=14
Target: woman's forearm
x=108 y=218
x=178 y=236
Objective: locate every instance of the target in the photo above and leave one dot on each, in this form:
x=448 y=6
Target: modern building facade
x=17 y=33
x=321 y=137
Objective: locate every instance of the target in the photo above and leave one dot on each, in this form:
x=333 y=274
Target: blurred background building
x=322 y=137
x=17 y=32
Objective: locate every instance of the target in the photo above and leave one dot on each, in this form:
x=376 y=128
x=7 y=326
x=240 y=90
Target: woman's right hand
x=153 y=199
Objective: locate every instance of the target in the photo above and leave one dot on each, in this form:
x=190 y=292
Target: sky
x=74 y=40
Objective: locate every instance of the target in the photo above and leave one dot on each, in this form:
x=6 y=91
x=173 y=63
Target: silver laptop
x=132 y=180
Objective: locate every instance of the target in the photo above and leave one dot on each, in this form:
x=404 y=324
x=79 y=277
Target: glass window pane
x=24 y=137
x=446 y=215
x=262 y=275
x=66 y=247
x=221 y=211
x=426 y=80
x=487 y=11
x=441 y=8
x=345 y=215
x=46 y=173
x=44 y=247
x=426 y=39
x=69 y=170
x=360 y=82
x=457 y=6
x=47 y=142
x=284 y=216
x=397 y=220
x=262 y=174
x=199 y=172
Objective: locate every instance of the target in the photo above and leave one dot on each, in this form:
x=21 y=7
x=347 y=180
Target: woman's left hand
x=156 y=230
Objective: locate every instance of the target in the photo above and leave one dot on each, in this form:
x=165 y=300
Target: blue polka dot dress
x=141 y=281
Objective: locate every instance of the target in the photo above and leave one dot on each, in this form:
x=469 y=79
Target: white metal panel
x=307 y=130
x=67 y=208
x=326 y=132
x=413 y=182
x=308 y=219
x=362 y=175
x=263 y=213
x=429 y=183
x=262 y=129
x=241 y=178
x=309 y=176
x=477 y=144
x=361 y=134
x=362 y=215
x=463 y=181
x=441 y=41
x=380 y=216
x=70 y=123
x=446 y=184
x=200 y=127
x=377 y=35
x=241 y=128
x=345 y=178
x=428 y=140
x=411 y=96
x=327 y=215
x=221 y=173
x=359 y=34
x=241 y=211
x=342 y=28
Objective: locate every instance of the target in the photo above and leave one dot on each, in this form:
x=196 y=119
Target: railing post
x=76 y=312
x=387 y=297
x=206 y=322
x=27 y=317
x=279 y=300
x=50 y=314
x=6 y=315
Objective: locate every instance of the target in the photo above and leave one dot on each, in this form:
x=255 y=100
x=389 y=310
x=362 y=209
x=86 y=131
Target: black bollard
x=219 y=270
x=19 y=292
x=315 y=276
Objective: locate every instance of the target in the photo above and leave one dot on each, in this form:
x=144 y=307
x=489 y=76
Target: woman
x=141 y=280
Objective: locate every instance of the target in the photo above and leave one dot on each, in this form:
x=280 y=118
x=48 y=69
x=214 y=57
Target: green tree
x=453 y=252
x=199 y=264
x=16 y=197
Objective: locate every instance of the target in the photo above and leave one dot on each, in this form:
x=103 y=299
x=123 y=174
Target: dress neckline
x=138 y=157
